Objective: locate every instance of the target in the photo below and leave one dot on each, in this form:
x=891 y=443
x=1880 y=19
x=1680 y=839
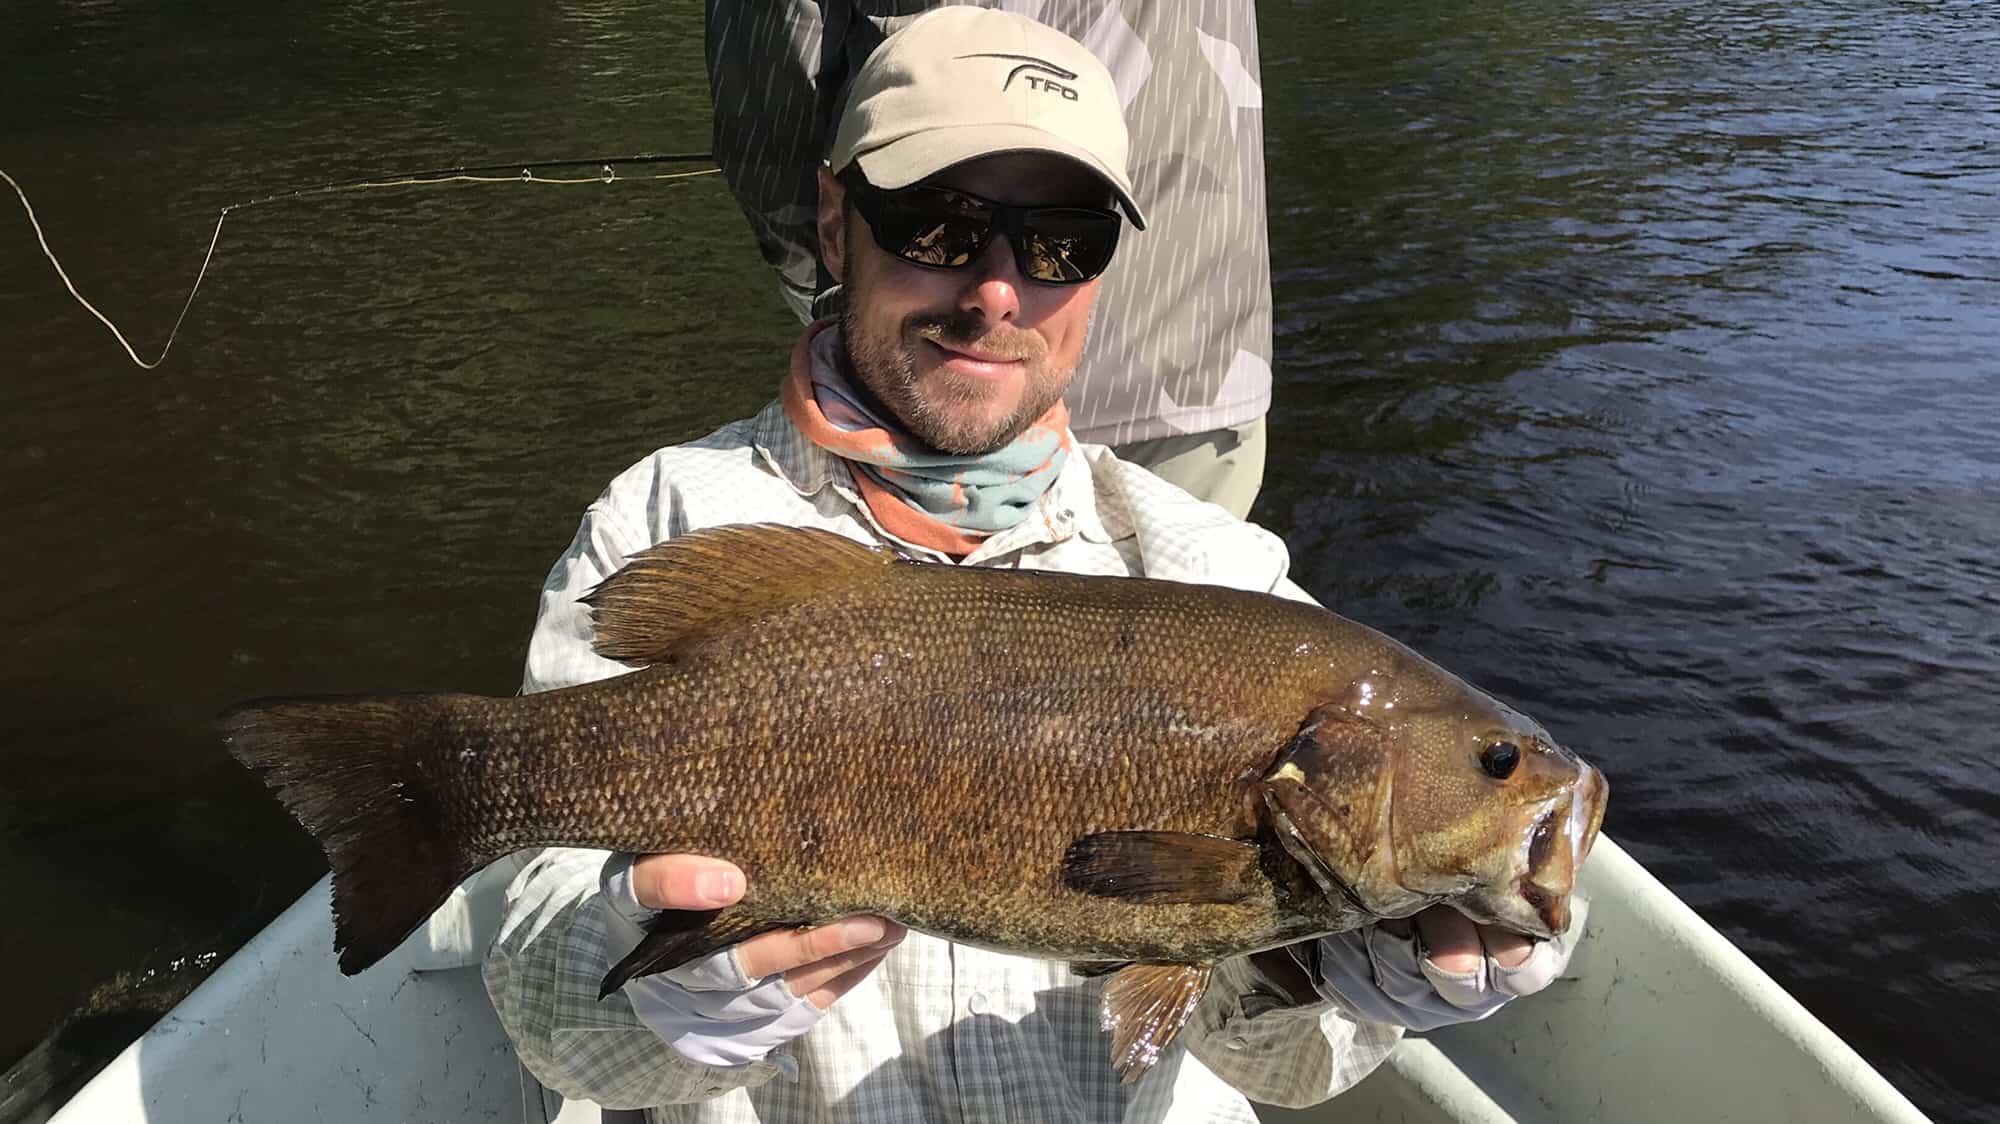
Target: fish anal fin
x=1162 y=867
x=676 y=936
x=716 y=580
x=1145 y=1006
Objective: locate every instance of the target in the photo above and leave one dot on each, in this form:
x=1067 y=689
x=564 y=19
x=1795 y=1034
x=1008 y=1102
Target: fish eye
x=1499 y=760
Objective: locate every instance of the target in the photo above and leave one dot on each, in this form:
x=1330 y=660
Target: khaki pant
x=1223 y=466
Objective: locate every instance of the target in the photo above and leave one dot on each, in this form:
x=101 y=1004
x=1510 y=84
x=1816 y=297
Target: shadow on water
x=157 y=883
x=97 y=1029
x=159 y=874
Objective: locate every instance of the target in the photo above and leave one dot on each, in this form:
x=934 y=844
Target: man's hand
x=819 y=964
x=1457 y=945
x=1439 y=968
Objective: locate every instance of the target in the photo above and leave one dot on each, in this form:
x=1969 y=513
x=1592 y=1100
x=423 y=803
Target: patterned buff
x=939 y=500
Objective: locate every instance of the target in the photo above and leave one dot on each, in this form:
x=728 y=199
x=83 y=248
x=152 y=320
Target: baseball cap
x=963 y=82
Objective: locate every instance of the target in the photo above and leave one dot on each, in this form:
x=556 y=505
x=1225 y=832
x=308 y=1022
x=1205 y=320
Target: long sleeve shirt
x=941 y=1031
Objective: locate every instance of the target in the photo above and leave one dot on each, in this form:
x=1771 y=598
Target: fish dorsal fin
x=719 y=579
x=1145 y=1006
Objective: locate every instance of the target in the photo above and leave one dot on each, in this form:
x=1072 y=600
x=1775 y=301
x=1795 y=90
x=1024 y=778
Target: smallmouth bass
x=1110 y=771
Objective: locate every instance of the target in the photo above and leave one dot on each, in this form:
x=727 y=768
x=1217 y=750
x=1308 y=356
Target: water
x=1638 y=360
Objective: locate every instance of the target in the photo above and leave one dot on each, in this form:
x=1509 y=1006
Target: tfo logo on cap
x=1034 y=79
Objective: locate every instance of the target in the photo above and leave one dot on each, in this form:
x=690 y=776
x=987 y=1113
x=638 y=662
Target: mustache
x=971 y=332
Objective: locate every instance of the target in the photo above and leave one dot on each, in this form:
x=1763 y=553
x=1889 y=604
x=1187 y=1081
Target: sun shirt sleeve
x=558 y=938
x=559 y=651
x=1264 y=1029
x=560 y=931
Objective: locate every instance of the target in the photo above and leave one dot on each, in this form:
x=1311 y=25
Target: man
x=970 y=214
x=1177 y=372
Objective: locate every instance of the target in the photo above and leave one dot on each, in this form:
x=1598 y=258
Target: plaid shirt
x=940 y=1031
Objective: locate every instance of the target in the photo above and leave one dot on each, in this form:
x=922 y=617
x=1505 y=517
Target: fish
x=1141 y=777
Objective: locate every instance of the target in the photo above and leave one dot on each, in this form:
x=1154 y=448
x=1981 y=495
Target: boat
x=1659 y=1018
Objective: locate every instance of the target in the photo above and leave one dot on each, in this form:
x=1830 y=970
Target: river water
x=1636 y=359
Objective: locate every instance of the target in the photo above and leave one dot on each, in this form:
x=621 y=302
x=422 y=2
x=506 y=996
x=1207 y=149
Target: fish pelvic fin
x=1161 y=867
x=677 y=936
x=344 y=768
x=1145 y=1007
x=719 y=579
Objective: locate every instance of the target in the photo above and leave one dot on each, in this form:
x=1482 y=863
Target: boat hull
x=1658 y=1019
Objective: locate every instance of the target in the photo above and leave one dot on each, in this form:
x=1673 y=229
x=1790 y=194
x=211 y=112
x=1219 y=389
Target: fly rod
x=516 y=171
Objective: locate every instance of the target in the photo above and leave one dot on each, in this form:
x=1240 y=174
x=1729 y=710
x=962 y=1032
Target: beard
x=947 y=411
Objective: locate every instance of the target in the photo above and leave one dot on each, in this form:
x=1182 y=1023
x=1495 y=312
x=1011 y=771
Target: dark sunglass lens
x=935 y=228
x=1068 y=247
x=949 y=243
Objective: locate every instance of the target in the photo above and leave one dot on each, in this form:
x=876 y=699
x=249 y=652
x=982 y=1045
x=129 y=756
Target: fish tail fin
x=346 y=769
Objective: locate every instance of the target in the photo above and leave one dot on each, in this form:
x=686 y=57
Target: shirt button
x=976 y=1003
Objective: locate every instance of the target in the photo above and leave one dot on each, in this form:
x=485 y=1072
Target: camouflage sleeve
x=558 y=931
x=763 y=67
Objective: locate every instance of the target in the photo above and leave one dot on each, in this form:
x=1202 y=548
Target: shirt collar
x=1071 y=506
x=797 y=461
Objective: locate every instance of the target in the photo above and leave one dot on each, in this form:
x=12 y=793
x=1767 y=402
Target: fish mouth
x=1561 y=840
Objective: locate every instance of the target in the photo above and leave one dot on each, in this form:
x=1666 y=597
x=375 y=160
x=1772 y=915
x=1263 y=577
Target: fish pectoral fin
x=1145 y=1006
x=1162 y=867
x=677 y=936
x=719 y=579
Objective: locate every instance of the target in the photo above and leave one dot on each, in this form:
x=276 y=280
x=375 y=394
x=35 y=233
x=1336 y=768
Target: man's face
x=965 y=359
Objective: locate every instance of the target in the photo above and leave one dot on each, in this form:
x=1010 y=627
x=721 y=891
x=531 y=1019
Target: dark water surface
x=1640 y=361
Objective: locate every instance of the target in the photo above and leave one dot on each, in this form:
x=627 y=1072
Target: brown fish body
x=1094 y=769
x=934 y=767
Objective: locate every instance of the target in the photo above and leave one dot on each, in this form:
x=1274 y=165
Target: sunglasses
x=944 y=228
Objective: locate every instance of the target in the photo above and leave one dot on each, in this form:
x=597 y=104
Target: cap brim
x=906 y=160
